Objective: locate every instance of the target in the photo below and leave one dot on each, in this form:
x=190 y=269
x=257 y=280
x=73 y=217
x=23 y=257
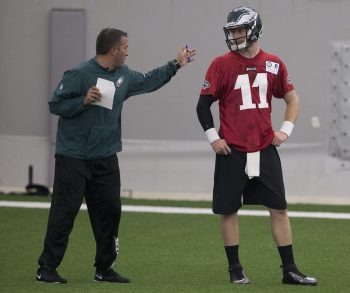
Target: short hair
x=108 y=38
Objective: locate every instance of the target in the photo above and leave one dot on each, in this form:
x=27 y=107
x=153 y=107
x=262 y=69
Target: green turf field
x=176 y=253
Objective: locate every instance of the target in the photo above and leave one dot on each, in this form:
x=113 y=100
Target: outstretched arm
x=156 y=78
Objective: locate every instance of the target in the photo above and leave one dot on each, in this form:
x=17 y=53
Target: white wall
x=298 y=31
x=17 y=153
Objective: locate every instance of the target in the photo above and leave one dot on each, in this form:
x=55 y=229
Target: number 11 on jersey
x=243 y=83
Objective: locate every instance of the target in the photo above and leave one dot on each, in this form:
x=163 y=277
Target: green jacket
x=92 y=132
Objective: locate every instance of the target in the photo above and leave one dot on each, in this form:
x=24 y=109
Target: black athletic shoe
x=44 y=275
x=110 y=276
x=237 y=275
x=291 y=275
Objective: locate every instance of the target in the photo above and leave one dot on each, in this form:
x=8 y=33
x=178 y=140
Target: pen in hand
x=188 y=58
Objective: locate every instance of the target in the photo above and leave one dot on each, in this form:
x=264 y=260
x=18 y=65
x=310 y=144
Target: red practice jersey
x=244 y=88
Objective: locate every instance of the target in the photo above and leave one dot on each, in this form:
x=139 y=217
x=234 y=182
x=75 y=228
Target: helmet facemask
x=233 y=43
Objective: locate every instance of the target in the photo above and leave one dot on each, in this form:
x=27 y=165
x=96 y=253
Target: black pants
x=99 y=181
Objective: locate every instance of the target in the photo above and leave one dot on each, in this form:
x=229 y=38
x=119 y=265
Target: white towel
x=252 y=168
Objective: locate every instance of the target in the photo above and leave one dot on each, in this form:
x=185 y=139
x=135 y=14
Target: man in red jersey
x=247 y=162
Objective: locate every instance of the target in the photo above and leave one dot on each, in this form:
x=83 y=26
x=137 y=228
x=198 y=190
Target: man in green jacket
x=89 y=101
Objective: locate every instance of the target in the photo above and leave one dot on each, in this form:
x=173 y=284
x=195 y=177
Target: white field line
x=183 y=210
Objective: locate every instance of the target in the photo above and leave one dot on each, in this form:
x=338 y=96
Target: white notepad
x=107 y=90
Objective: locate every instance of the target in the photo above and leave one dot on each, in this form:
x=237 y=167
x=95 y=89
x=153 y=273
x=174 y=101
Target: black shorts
x=231 y=182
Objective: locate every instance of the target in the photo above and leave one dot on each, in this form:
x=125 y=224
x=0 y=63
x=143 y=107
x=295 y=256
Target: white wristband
x=287 y=127
x=212 y=135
